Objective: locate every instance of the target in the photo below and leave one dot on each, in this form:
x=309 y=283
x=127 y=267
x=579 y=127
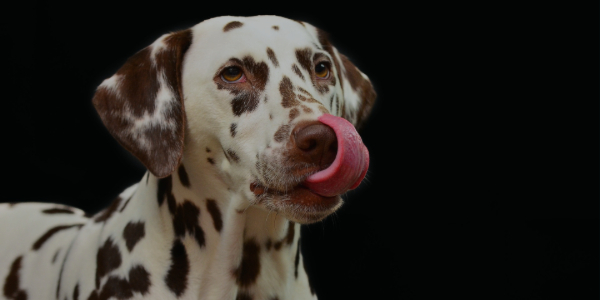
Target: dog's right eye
x=232 y=74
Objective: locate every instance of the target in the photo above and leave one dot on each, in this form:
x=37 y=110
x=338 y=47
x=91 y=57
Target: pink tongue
x=350 y=165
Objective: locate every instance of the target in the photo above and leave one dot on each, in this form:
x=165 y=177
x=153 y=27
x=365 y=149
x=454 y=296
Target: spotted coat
x=200 y=223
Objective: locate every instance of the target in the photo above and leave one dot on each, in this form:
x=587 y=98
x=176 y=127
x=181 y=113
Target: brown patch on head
x=215 y=213
x=323 y=109
x=294 y=112
x=108 y=258
x=207 y=150
x=301 y=23
x=52 y=211
x=288 y=97
x=306 y=109
x=232 y=25
x=131 y=94
x=40 y=241
x=248 y=270
x=282 y=133
x=183 y=176
x=275 y=27
x=11 y=283
x=210 y=161
x=297 y=71
x=177 y=275
x=232 y=129
x=304 y=57
x=139 y=279
x=305 y=92
x=232 y=156
x=109 y=211
x=133 y=233
x=246 y=99
x=272 y=57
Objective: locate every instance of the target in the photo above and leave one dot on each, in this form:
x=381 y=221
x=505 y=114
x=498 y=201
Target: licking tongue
x=350 y=164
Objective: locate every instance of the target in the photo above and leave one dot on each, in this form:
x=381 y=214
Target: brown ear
x=359 y=95
x=142 y=104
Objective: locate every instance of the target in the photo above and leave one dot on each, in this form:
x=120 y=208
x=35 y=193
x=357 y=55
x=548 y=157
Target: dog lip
x=298 y=195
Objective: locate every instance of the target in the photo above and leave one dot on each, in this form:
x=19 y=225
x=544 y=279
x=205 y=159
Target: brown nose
x=316 y=143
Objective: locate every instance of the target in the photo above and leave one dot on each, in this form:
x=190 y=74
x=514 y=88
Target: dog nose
x=316 y=143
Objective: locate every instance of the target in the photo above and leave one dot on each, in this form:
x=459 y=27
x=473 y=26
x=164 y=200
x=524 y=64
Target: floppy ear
x=142 y=104
x=359 y=95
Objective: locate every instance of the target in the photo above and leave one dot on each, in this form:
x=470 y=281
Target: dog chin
x=299 y=204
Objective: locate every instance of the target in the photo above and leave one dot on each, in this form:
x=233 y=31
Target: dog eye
x=322 y=70
x=232 y=74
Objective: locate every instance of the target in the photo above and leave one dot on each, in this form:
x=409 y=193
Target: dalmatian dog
x=247 y=129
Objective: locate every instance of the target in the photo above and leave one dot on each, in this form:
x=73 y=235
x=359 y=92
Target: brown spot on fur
x=40 y=242
x=232 y=25
x=52 y=211
x=120 y=288
x=301 y=23
x=272 y=57
x=305 y=92
x=108 y=258
x=210 y=161
x=276 y=27
x=215 y=213
x=232 y=155
x=248 y=270
x=294 y=112
x=287 y=93
x=185 y=220
x=164 y=189
x=282 y=133
x=55 y=256
x=243 y=296
x=277 y=245
x=323 y=109
x=133 y=233
x=232 y=129
x=176 y=278
x=297 y=71
x=304 y=57
x=289 y=238
x=306 y=109
x=269 y=244
x=76 y=292
x=125 y=205
x=207 y=150
x=109 y=211
x=183 y=176
x=139 y=81
x=11 y=288
x=297 y=260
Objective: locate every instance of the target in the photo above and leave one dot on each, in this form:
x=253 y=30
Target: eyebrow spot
x=276 y=27
x=232 y=25
x=272 y=57
x=297 y=71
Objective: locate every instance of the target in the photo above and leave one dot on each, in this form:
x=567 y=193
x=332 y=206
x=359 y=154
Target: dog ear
x=359 y=95
x=142 y=104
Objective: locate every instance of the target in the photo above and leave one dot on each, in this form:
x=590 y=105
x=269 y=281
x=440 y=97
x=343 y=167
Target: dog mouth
x=298 y=203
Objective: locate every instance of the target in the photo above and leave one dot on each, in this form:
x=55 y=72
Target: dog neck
x=220 y=246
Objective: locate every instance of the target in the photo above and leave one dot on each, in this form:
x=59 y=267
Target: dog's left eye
x=322 y=70
x=232 y=74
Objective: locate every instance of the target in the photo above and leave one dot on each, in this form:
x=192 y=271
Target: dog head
x=266 y=102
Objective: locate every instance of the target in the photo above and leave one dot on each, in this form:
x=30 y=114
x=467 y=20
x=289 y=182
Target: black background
x=481 y=172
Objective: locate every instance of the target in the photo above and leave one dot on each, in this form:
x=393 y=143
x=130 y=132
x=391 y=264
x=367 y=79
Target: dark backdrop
x=479 y=180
